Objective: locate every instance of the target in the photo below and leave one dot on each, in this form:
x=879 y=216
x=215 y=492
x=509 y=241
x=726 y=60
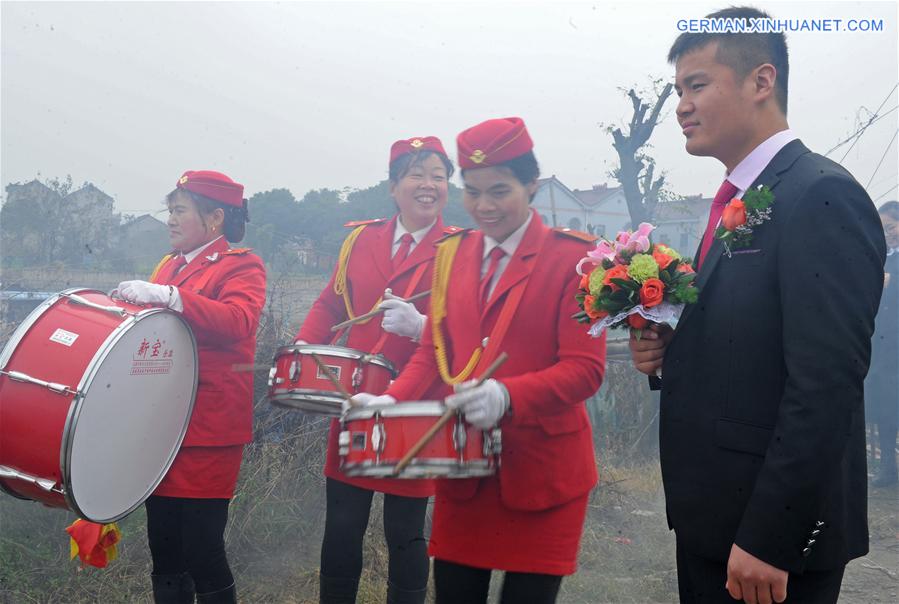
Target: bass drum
x=95 y=398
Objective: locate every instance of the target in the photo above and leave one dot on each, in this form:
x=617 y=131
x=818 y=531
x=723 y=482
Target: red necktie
x=403 y=252
x=495 y=255
x=726 y=192
x=172 y=267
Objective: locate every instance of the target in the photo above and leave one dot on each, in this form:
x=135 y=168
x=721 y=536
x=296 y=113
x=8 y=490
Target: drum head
x=123 y=432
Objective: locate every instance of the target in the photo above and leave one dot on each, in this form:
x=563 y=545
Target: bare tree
x=636 y=170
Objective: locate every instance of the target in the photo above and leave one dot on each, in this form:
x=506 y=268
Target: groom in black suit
x=762 y=419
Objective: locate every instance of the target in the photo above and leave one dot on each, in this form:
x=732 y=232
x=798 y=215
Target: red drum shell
x=394 y=429
x=297 y=382
x=130 y=408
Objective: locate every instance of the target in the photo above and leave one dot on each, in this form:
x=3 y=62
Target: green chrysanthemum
x=643 y=267
x=596 y=276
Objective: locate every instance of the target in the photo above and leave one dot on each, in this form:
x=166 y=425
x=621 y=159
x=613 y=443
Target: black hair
x=891 y=209
x=401 y=165
x=234 y=226
x=742 y=52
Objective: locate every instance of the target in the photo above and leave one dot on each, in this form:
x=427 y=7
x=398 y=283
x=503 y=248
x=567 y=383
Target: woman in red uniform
x=510 y=288
x=393 y=254
x=220 y=292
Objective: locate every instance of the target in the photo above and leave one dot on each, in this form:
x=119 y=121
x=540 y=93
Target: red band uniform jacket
x=223 y=293
x=369 y=272
x=547 y=457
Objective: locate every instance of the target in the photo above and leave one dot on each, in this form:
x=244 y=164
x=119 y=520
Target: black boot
x=173 y=589
x=396 y=595
x=222 y=596
x=337 y=590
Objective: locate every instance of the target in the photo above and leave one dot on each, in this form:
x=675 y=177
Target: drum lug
x=343 y=443
x=271 y=376
x=378 y=438
x=294 y=373
x=18 y=376
x=47 y=484
x=460 y=437
x=357 y=378
x=496 y=441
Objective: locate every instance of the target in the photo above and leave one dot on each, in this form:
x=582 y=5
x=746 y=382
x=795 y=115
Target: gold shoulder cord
x=343 y=260
x=159 y=266
x=443 y=262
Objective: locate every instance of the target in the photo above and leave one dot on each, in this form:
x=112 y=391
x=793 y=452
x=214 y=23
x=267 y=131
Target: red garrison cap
x=213 y=185
x=493 y=142
x=414 y=145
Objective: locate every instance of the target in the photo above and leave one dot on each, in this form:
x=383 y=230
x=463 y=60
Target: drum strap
x=416 y=278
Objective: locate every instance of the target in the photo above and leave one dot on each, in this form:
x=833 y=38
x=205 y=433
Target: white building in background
x=600 y=210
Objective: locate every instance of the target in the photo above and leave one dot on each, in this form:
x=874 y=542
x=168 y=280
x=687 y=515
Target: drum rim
x=28 y=322
x=483 y=465
x=65 y=449
x=283 y=402
x=343 y=352
x=434 y=408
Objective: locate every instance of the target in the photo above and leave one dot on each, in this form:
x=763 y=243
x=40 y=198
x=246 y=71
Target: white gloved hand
x=300 y=343
x=482 y=405
x=401 y=317
x=144 y=292
x=364 y=399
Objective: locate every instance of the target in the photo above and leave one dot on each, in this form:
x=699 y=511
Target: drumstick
x=333 y=379
x=446 y=417
x=377 y=311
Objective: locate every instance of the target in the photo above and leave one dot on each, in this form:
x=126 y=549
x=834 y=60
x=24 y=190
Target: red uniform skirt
x=391 y=486
x=202 y=473
x=483 y=533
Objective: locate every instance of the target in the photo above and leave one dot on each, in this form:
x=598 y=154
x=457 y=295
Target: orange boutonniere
x=742 y=216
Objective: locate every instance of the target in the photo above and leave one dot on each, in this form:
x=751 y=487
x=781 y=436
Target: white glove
x=401 y=317
x=364 y=399
x=482 y=405
x=143 y=292
x=300 y=343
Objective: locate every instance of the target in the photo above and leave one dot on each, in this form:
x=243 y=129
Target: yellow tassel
x=159 y=266
x=340 y=284
x=443 y=263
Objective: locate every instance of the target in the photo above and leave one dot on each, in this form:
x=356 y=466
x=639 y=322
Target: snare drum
x=95 y=398
x=375 y=438
x=296 y=381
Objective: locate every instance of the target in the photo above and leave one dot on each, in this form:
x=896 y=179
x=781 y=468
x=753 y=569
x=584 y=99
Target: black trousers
x=188 y=535
x=460 y=584
x=701 y=581
x=346 y=520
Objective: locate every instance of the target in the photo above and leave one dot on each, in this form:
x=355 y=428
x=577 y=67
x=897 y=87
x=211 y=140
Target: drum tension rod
x=47 y=484
x=18 y=376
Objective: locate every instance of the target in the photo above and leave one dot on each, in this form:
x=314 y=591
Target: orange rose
x=652 y=293
x=585 y=282
x=734 y=214
x=589 y=308
x=662 y=259
x=685 y=268
x=618 y=271
x=637 y=321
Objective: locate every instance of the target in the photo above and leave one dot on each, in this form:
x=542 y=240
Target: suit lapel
x=521 y=264
x=208 y=256
x=769 y=177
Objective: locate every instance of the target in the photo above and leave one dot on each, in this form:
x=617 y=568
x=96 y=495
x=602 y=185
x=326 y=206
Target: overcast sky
x=309 y=95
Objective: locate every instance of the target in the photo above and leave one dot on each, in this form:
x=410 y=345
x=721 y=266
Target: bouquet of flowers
x=630 y=282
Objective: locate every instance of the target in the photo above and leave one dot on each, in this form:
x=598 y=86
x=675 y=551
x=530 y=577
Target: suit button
x=806 y=552
x=815 y=533
x=810 y=543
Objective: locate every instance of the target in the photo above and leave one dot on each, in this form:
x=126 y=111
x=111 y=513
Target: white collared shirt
x=176 y=303
x=417 y=236
x=745 y=173
x=509 y=245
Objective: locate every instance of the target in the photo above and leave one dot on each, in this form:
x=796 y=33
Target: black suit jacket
x=762 y=417
x=882 y=387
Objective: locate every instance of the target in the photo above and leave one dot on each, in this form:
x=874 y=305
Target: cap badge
x=478 y=156
x=416 y=143
x=182 y=180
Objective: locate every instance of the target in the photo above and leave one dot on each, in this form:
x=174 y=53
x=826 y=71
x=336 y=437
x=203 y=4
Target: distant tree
x=636 y=169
